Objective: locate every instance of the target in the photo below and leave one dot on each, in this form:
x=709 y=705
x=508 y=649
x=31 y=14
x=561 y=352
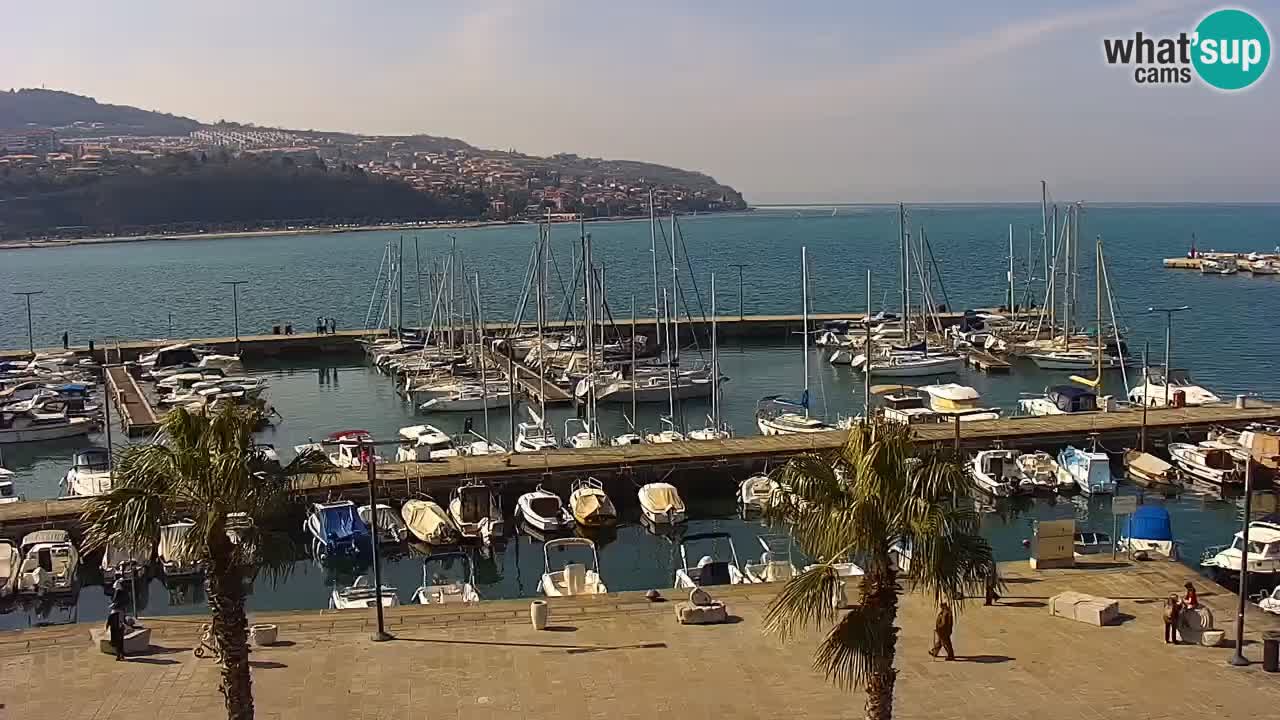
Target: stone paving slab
x=620 y=658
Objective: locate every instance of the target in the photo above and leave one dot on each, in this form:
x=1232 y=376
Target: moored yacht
x=90 y=473
x=1174 y=389
x=1263 y=557
x=33 y=426
x=1060 y=400
x=777 y=416
x=996 y=472
x=1091 y=471
x=1214 y=465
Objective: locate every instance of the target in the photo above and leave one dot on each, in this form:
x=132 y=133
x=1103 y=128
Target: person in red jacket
x=1191 y=601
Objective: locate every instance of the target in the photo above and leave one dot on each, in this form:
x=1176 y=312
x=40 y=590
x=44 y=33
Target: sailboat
x=715 y=429
x=776 y=415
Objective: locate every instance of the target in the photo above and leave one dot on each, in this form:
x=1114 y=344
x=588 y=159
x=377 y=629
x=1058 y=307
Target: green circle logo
x=1232 y=49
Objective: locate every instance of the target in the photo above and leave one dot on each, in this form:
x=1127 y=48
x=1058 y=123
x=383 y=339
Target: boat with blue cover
x=1149 y=529
x=336 y=529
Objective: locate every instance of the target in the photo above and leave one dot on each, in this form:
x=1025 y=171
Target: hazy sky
x=787 y=101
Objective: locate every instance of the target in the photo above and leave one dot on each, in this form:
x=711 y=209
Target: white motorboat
x=477 y=512
x=424 y=443
x=844 y=571
x=1269 y=601
x=336 y=529
x=1219 y=266
x=353 y=446
x=956 y=400
x=996 y=472
x=115 y=558
x=755 y=494
x=543 y=510
x=534 y=437
x=648 y=386
x=708 y=571
x=90 y=473
x=776 y=563
x=577 y=435
x=8 y=492
x=1091 y=471
x=10 y=568
x=566 y=579
x=668 y=433
x=776 y=416
x=1147 y=469
x=1214 y=465
x=1041 y=471
x=1149 y=529
x=661 y=504
x=50 y=564
x=1178 y=389
x=447 y=578
x=1263 y=556
x=362 y=594
x=910 y=364
x=38 y=427
x=429 y=522
x=590 y=505
x=177 y=559
x=1077 y=359
x=1060 y=400
x=624 y=439
x=390 y=528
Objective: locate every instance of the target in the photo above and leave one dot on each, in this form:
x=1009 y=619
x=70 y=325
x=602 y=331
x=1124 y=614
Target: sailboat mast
x=1011 y=290
x=866 y=353
x=543 y=232
x=1098 y=291
x=587 y=327
x=633 y=360
x=906 y=288
x=1044 y=240
x=653 y=252
x=671 y=397
x=484 y=371
x=675 y=294
x=715 y=362
x=1066 y=281
x=400 y=287
x=804 y=322
x=1051 y=273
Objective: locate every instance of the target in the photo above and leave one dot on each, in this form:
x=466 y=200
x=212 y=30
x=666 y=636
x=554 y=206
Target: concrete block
x=1211 y=638
x=1084 y=608
x=136 y=640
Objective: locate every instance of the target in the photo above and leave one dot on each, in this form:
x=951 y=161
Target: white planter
x=539 y=613
x=262 y=635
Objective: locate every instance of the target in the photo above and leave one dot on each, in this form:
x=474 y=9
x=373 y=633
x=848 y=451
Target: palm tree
x=206 y=468
x=858 y=501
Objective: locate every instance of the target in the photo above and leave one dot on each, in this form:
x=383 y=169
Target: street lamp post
x=31 y=343
x=235 y=307
x=381 y=634
x=1239 y=659
x=1168 y=342
x=739 y=266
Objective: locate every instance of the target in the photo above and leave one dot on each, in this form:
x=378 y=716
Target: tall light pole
x=1168 y=342
x=739 y=266
x=31 y=343
x=367 y=450
x=1239 y=660
x=235 y=307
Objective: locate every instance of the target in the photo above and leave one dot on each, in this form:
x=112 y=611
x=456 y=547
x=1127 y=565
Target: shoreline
x=229 y=235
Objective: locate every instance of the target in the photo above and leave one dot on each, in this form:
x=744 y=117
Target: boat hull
x=77 y=427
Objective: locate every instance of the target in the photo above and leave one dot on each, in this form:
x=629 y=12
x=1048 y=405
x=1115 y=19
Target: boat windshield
x=445 y=570
x=545 y=506
x=6 y=489
x=1255 y=548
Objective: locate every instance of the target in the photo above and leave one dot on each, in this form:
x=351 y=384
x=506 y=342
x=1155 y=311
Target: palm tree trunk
x=225 y=586
x=880 y=597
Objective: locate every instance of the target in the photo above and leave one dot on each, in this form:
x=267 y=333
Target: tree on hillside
x=857 y=502
x=204 y=469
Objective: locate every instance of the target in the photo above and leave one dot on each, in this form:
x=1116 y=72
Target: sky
x=803 y=101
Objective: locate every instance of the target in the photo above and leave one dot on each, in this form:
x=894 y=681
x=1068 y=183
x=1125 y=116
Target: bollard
x=1271 y=651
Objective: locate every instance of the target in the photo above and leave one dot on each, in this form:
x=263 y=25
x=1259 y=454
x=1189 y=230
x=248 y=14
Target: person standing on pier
x=66 y=340
x=1172 y=608
x=115 y=627
x=942 y=632
x=993 y=586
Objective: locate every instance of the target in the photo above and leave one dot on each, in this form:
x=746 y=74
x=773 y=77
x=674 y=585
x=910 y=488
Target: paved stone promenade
x=620 y=657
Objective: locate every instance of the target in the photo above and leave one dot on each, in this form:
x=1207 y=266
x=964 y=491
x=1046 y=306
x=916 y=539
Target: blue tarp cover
x=1149 y=522
x=342 y=524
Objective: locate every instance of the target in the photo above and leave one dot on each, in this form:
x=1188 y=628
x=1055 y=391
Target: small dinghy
x=362 y=594
x=543 y=510
x=10 y=568
x=447 y=578
x=776 y=564
x=1147 y=469
x=429 y=522
x=1041 y=471
x=709 y=570
x=390 y=528
x=475 y=509
x=660 y=504
x=50 y=563
x=565 y=579
x=756 y=493
x=590 y=505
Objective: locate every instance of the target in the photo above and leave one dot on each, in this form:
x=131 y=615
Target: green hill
x=55 y=108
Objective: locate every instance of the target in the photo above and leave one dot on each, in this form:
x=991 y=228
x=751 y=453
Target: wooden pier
x=527 y=379
x=986 y=362
x=137 y=416
x=700 y=465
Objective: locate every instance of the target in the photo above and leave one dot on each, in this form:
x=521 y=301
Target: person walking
x=993 y=585
x=1172 y=608
x=115 y=627
x=66 y=340
x=942 y=628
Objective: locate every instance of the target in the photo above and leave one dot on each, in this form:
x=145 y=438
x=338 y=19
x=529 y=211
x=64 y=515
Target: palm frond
x=804 y=601
x=853 y=648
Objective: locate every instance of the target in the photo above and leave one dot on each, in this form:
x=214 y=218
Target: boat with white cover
x=956 y=400
x=543 y=510
x=565 y=579
x=447 y=578
x=362 y=594
x=709 y=570
x=390 y=528
x=590 y=504
x=429 y=522
x=661 y=504
x=50 y=564
x=1147 y=469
